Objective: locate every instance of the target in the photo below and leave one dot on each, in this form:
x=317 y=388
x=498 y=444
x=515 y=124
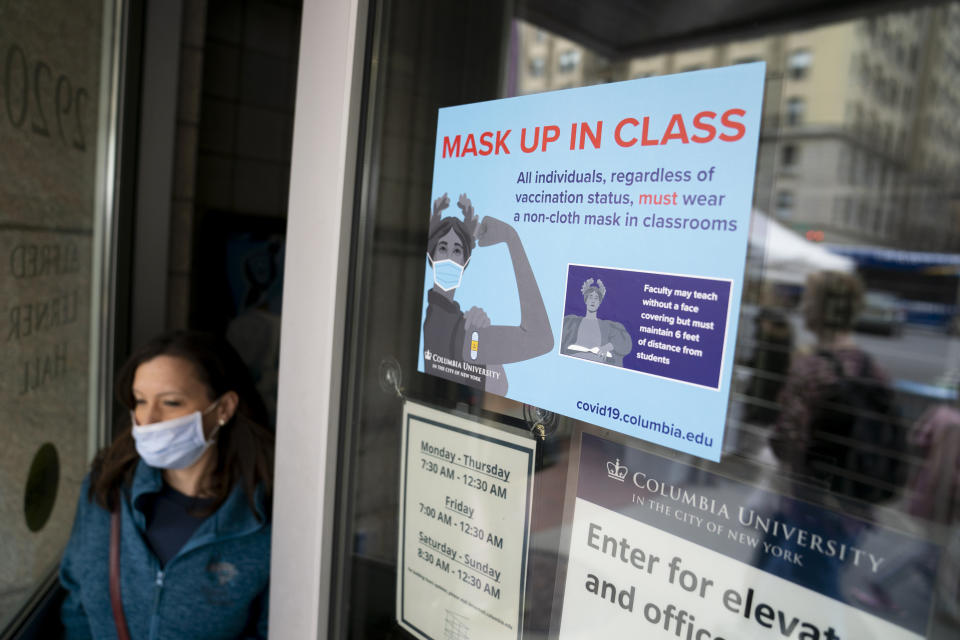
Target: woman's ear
x=227 y=406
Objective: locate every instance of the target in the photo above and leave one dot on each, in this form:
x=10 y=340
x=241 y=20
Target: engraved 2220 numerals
x=46 y=101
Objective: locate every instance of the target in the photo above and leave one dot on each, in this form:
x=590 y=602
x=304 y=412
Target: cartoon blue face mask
x=447 y=273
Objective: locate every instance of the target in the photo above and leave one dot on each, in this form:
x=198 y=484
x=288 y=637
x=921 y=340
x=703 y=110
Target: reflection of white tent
x=787 y=256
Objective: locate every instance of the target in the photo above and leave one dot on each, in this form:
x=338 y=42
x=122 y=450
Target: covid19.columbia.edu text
x=637 y=420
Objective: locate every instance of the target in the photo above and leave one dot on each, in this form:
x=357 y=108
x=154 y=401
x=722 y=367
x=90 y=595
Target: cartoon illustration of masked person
x=591 y=338
x=456 y=342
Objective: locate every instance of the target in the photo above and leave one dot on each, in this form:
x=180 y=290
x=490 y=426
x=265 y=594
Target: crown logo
x=427 y=355
x=616 y=470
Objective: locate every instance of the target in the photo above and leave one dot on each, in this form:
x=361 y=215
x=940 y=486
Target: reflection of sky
x=551 y=381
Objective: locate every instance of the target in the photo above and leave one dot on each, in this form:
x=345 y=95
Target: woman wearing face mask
x=469 y=337
x=178 y=505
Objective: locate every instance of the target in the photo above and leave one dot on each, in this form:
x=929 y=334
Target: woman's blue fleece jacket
x=214 y=587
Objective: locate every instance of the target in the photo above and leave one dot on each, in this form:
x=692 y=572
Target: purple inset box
x=670 y=326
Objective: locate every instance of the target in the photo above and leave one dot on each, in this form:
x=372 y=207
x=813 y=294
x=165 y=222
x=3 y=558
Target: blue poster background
x=666 y=410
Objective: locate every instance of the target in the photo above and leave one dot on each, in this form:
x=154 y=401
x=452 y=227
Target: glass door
x=826 y=500
x=58 y=105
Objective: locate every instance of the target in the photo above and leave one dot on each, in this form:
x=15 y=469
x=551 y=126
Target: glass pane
x=843 y=410
x=50 y=87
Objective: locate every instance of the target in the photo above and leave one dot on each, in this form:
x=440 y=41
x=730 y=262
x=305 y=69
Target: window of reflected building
x=799 y=63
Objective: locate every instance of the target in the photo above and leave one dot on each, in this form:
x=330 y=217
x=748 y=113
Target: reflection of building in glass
x=861 y=136
x=550 y=62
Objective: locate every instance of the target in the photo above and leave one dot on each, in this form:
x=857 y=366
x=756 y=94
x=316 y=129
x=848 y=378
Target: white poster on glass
x=465 y=498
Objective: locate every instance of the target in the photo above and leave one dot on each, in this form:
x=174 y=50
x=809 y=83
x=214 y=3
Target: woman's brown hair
x=831 y=301
x=244 y=444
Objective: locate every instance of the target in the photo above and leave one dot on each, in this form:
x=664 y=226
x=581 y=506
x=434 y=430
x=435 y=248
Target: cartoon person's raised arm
x=497 y=344
x=440 y=204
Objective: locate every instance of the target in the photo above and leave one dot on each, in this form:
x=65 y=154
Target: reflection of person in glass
x=591 y=338
x=470 y=337
x=809 y=441
x=831 y=302
x=255 y=331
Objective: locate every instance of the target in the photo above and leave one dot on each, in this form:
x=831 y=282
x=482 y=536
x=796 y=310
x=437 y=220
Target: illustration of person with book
x=589 y=337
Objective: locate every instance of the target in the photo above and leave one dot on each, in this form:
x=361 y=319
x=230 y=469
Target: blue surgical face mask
x=447 y=273
x=173 y=444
